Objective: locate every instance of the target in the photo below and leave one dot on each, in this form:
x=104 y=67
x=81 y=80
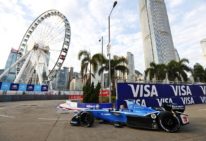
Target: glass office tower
x=157 y=38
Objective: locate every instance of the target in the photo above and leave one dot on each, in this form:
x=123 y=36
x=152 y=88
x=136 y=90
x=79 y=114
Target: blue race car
x=169 y=117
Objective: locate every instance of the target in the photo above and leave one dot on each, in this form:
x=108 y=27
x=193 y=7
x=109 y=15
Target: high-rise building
x=10 y=60
x=61 y=80
x=71 y=73
x=106 y=80
x=157 y=38
x=138 y=76
x=130 y=65
x=177 y=57
x=76 y=83
x=203 y=45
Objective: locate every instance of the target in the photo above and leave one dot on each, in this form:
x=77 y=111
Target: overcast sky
x=88 y=20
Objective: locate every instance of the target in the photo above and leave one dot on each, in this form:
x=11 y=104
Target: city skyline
x=186 y=21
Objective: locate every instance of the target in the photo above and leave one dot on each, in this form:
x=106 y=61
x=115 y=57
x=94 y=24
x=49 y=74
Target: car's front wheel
x=118 y=124
x=75 y=121
x=168 y=122
x=86 y=119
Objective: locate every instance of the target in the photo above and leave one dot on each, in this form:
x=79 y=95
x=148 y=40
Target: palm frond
x=99 y=58
x=184 y=60
x=83 y=53
x=84 y=67
x=94 y=65
x=102 y=69
x=122 y=68
x=85 y=60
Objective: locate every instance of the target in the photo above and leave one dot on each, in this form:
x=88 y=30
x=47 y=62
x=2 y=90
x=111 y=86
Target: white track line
x=47 y=118
x=6 y=116
x=202 y=110
x=52 y=119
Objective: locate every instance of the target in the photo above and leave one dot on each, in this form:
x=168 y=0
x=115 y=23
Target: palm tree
x=178 y=70
x=151 y=71
x=199 y=73
x=156 y=71
x=183 y=69
x=161 y=72
x=172 y=71
x=89 y=64
x=118 y=64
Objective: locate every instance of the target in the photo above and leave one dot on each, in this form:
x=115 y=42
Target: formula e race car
x=169 y=117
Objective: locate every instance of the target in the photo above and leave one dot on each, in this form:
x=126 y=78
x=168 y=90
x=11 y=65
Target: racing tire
x=75 y=121
x=118 y=125
x=86 y=119
x=168 y=122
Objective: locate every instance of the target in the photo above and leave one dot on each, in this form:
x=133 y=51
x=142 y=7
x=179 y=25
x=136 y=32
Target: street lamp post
x=102 y=75
x=108 y=52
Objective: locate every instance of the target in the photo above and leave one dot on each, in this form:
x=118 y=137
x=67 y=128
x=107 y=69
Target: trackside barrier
x=7 y=86
x=6 y=98
x=155 y=94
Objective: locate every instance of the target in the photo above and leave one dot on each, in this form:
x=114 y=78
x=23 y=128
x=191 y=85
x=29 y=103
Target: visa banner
x=14 y=87
x=7 y=86
x=156 y=94
x=44 y=88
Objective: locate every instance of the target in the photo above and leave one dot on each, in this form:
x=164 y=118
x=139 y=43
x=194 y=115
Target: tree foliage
x=199 y=73
x=118 y=64
x=156 y=71
x=172 y=71
x=91 y=93
x=89 y=64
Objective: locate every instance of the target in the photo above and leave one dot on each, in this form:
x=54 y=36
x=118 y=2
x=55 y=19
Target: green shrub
x=91 y=93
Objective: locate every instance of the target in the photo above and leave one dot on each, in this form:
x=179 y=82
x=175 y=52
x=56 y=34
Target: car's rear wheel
x=168 y=122
x=86 y=119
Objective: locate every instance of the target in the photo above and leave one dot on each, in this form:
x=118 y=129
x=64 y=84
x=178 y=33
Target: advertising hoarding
x=156 y=94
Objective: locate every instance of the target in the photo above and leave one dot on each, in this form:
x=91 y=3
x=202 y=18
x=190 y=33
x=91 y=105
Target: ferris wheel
x=43 y=49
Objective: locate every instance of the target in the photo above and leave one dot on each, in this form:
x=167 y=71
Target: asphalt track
x=39 y=121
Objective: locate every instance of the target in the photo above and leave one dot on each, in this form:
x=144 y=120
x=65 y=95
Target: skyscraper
x=157 y=38
x=10 y=60
x=177 y=57
x=203 y=45
x=61 y=80
x=130 y=65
